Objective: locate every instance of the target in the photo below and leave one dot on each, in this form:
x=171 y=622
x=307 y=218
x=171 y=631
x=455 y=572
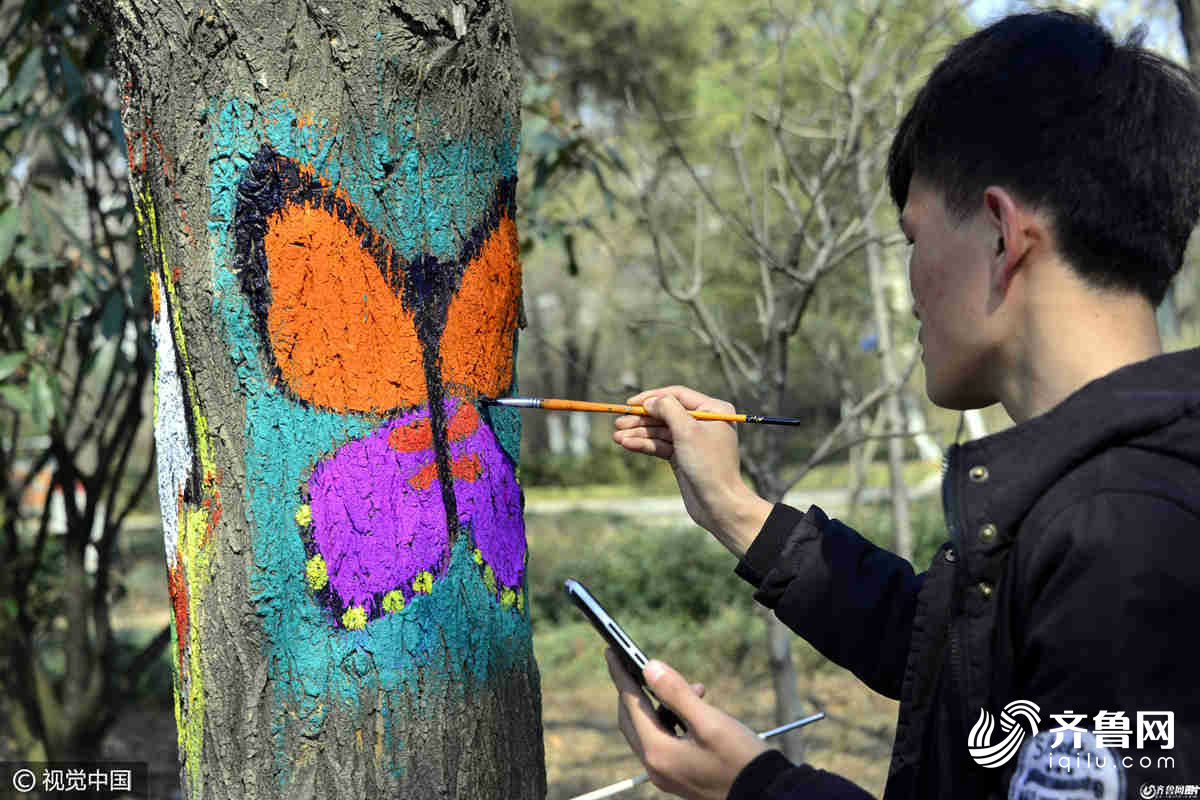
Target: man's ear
x=1014 y=229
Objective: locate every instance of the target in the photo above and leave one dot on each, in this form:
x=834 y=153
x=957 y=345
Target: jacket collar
x=1019 y=464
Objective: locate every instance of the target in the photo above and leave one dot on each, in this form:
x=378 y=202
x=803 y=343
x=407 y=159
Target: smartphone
x=630 y=654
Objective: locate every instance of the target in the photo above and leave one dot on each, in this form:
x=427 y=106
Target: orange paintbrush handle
x=552 y=404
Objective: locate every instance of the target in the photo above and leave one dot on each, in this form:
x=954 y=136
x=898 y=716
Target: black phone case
x=622 y=644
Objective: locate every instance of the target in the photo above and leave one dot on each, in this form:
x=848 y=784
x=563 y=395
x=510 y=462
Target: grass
x=661 y=481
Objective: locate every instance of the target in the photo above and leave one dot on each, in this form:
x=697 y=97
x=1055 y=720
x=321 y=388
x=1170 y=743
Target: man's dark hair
x=1104 y=137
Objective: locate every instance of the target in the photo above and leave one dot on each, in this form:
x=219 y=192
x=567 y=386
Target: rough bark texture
x=325 y=194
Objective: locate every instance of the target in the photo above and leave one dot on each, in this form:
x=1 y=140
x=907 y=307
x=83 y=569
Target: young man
x=1048 y=180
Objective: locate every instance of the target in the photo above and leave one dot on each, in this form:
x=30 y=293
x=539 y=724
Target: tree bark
x=325 y=196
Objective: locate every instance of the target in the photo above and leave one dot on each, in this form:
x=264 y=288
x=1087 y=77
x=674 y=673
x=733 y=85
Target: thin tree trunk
x=783 y=681
x=1189 y=28
x=901 y=524
x=325 y=195
x=866 y=457
x=779 y=637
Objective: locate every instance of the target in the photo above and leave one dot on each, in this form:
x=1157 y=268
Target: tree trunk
x=325 y=195
x=1189 y=28
x=901 y=524
x=783 y=681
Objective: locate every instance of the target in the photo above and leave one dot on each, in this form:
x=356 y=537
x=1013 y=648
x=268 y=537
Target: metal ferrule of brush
x=518 y=402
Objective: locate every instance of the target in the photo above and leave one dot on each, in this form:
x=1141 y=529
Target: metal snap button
x=985 y=588
x=988 y=532
x=979 y=473
x=951 y=556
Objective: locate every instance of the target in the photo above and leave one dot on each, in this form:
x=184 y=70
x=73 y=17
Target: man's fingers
x=635 y=713
x=649 y=442
x=646 y=430
x=687 y=397
x=620 y=676
x=673 y=689
x=631 y=421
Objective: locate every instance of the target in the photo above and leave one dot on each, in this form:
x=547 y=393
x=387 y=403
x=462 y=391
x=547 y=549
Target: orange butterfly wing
x=477 y=342
x=340 y=335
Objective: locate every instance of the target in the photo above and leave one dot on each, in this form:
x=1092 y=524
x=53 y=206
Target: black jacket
x=1071 y=579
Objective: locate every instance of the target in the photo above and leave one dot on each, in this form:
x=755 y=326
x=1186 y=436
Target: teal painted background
x=419 y=201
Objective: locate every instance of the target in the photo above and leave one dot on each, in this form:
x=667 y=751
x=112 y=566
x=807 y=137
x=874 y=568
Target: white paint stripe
x=170 y=429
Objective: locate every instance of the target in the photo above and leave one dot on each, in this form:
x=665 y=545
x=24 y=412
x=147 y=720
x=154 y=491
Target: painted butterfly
x=348 y=325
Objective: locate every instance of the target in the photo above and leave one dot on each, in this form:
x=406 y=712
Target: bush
x=607 y=465
x=634 y=569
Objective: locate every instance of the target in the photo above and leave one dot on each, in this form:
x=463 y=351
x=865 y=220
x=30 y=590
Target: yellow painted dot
x=489 y=578
x=354 y=619
x=304 y=515
x=507 y=597
x=477 y=554
x=317 y=575
x=423 y=583
x=393 y=601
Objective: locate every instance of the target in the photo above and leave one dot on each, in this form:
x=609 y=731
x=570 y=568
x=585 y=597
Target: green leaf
x=71 y=76
x=37 y=221
x=113 y=317
x=15 y=397
x=41 y=396
x=535 y=93
x=532 y=125
x=9 y=225
x=547 y=142
x=85 y=248
x=27 y=78
x=10 y=363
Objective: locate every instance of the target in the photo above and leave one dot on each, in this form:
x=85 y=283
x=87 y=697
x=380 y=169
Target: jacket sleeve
x=851 y=600
x=772 y=776
x=1111 y=589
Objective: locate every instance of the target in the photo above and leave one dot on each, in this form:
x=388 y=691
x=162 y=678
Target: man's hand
x=704 y=457
x=699 y=766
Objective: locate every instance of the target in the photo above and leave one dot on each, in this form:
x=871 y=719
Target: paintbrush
x=552 y=404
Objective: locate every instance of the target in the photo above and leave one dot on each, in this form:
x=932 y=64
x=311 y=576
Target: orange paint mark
x=467 y=468
x=425 y=478
x=155 y=295
x=477 y=343
x=465 y=422
x=177 y=589
x=339 y=333
x=413 y=437
x=213 y=505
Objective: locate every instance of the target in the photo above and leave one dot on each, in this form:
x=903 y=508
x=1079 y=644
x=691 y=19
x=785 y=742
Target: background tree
x=326 y=199
x=75 y=367
x=769 y=216
x=585 y=62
